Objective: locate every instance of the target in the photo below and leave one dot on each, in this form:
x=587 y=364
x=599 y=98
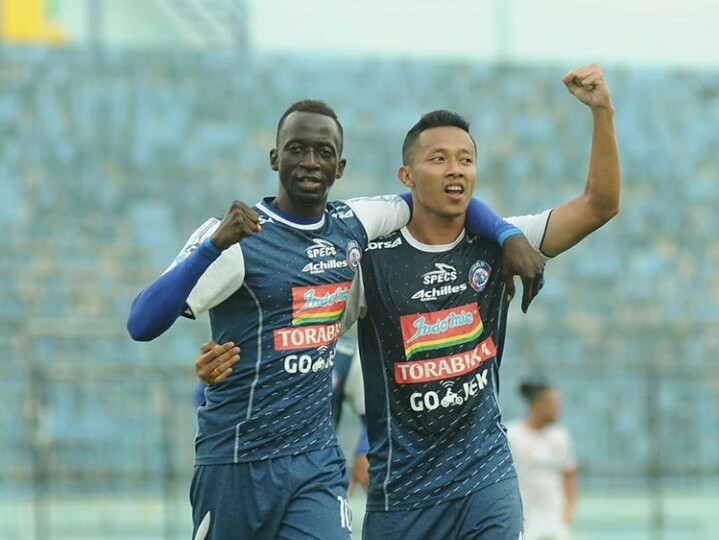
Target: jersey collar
x=430 y=248
x=307 y=224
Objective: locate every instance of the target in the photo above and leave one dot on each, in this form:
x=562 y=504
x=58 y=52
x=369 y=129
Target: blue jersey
x=431 y=333
x=341 y=383
x=279 y=295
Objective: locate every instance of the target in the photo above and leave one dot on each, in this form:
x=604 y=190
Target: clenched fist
x=239 y=222
x=588 y=86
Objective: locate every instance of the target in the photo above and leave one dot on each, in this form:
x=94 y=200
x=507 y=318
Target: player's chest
x=410 y=281
x=300 y=268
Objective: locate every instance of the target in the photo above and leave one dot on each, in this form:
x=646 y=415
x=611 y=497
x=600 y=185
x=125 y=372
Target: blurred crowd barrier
x=109 y=160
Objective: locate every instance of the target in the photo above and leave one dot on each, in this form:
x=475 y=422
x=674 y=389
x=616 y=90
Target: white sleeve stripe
x=223 y=277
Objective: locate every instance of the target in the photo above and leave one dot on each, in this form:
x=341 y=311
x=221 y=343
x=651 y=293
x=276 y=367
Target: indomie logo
x=323 y=303
x=425 y=331
x=452 y=320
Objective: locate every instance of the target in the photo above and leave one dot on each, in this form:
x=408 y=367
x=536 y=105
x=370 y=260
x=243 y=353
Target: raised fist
x=588 y=86
x=239 y=222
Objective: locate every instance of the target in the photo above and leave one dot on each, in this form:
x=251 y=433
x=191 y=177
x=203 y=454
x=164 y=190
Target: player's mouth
x=454 y=191
x=309 y=182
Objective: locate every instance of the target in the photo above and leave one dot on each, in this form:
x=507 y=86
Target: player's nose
x=454 y=169
x=309 y=160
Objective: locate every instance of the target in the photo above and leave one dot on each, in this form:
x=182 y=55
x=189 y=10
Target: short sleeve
x=569 y=460
x=222 y=278
x=356 y=307
x=534 y=226
x=380 y=215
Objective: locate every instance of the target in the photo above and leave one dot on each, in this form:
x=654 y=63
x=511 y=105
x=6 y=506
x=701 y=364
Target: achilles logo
x=443 y=274
x=435 y=369
x=321 y=266
x=427 y=295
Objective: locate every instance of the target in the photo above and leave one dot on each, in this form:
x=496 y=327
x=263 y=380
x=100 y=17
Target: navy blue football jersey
x=279 y=294
x=431 y=330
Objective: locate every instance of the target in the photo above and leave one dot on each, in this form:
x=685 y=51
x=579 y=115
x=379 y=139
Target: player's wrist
x=507 y=234
x=603 y=109
x=209 y=245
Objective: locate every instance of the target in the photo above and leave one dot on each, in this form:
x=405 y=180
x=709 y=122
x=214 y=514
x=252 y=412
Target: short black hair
x=532 y=390
x=311 y=106
x=434 y=119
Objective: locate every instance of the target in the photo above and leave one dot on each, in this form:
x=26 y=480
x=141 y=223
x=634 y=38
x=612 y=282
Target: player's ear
x=405 y=176
x=340 y=168
x=273 y=160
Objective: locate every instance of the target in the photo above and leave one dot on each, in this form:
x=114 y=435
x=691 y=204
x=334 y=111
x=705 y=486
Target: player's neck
x=432 y=229
x=287 y=206
x=536 y=424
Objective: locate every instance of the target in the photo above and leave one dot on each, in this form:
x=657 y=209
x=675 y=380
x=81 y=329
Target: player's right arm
x=206 y=272
x=575 y=219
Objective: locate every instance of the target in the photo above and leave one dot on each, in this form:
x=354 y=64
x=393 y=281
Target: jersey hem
x=252 y=458
x=379 y=507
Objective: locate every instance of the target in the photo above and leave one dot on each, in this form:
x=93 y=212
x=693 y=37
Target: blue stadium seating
x=109 y=160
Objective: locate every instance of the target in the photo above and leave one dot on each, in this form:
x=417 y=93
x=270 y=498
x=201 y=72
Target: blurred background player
x=545 y=463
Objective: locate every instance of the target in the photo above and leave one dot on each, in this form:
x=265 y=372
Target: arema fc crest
x=354 y=254
x=479 y=275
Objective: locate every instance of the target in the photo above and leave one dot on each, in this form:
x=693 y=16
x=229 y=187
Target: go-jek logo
x=306 y=363
x=426 y=331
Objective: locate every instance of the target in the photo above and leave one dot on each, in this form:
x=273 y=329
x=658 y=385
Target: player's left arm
x=382 y=215
x=569 y=483
x=570 y=222
x=569 y=476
